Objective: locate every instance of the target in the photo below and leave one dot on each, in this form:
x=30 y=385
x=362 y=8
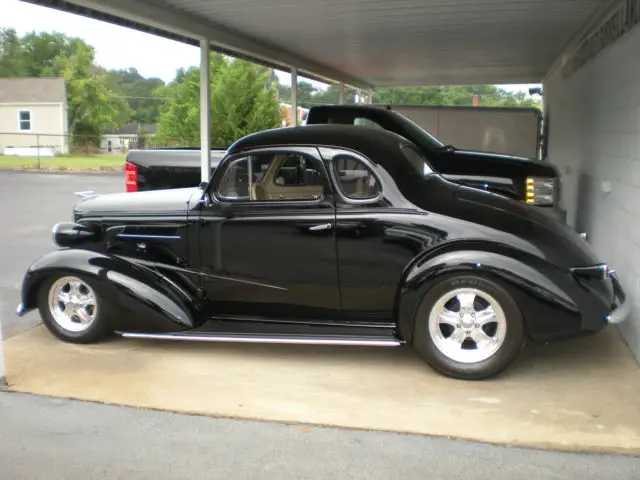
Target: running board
x=294 y=339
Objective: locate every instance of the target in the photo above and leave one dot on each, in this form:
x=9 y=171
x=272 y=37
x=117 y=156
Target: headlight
x=541 y=190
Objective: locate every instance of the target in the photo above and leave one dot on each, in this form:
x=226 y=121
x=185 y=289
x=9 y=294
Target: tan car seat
x=268 y=189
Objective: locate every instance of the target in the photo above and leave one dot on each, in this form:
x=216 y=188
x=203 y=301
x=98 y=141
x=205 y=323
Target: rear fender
x=545 y=306
x=143 y=299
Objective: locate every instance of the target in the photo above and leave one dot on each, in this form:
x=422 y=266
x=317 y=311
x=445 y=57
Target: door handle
x=317 y=228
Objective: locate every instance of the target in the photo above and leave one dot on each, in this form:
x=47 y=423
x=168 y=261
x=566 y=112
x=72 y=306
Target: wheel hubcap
x=73 y=304
x=467 y=325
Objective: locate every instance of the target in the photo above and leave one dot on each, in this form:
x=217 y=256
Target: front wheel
x=71 y=308
x=468 y=327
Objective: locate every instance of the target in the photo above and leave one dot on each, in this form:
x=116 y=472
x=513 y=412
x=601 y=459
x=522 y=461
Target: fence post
x=38 y=147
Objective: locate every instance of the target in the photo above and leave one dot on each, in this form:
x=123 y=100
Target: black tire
x=98 y=329
x=426 y=344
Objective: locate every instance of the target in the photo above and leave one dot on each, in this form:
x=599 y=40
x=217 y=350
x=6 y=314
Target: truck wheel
x=468 y=327
x=72 y=310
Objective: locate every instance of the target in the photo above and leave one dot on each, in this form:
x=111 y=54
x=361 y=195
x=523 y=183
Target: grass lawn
x=73 y=163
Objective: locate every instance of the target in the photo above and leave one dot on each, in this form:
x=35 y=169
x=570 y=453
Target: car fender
x=145 y=300
x=535 y=292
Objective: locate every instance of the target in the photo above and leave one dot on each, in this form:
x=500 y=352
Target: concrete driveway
x=575 y=395
x=30 y=204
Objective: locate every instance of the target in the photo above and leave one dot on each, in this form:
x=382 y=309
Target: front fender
x=545 y=305
x=142 y=298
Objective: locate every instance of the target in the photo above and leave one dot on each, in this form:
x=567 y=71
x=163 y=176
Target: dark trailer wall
x=512 y=131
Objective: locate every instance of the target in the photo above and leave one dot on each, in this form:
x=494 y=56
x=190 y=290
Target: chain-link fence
x=107 y=152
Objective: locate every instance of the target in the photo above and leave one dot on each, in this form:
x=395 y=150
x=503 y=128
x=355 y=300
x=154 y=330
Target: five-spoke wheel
x=72 y=304
x=71 y=309
x=468 y=327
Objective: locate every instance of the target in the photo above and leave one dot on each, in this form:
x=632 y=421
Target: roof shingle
x=32 y=90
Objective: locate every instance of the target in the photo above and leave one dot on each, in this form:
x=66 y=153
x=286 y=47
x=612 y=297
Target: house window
x=24 y=120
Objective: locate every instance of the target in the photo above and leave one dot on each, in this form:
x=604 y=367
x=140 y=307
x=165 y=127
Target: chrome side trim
x=255 y=339
x=479 y=178
x=150 y=237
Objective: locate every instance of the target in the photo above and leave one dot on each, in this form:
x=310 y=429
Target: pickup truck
x=531 y=181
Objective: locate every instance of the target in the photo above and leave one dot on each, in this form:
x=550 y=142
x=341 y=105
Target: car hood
x=485 y=163
x=154 y=201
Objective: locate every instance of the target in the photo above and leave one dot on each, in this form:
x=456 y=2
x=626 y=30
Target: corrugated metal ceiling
x=389 y=42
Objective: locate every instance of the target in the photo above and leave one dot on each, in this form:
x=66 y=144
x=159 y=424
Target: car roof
x=373 y=142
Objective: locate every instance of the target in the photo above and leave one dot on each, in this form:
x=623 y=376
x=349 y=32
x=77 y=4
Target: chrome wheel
x=73 y=304
x=467 y=325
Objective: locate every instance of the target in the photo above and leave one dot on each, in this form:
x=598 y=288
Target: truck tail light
x=131 y=177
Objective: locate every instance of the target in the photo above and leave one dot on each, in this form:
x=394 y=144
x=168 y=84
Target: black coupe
x=326 y=234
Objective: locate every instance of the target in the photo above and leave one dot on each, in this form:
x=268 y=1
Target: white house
x=33 y=114
x=125 y=138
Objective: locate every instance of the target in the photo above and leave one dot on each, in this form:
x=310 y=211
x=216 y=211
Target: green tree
x=241 y=103
x=11 y=56
x=488 y=95
x=93 y=105
x=40 y=51
x=137 y=92
x=305 y=95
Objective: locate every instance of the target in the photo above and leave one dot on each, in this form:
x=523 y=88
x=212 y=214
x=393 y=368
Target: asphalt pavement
x=30 y=204
x=46 y=438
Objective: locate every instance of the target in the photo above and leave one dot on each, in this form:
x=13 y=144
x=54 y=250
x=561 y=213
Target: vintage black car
x=327 y=234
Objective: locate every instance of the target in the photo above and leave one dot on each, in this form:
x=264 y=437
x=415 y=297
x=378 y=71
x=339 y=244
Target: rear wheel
x=468 y=327
x=71 y=309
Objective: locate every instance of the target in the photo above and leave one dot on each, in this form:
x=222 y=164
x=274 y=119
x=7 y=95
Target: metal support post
x=294 y=95
x=370 y=97
x=3 y=378
x=205 y=112
x=341 y=94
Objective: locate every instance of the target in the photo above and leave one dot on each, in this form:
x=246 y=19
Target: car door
x=378 y=233
x=267 y=246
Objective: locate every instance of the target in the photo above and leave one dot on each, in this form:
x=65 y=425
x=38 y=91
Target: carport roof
x=367 y=43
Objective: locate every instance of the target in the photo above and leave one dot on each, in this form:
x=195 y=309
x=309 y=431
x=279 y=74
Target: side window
x=416 y=159
x=297 y=170
x=355 y=179
x=272 y=176
x=24 y=120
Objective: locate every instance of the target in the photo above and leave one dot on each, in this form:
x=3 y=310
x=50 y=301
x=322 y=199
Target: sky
x=117 y=47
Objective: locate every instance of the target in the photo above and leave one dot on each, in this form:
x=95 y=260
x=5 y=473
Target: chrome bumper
x=624 y=304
